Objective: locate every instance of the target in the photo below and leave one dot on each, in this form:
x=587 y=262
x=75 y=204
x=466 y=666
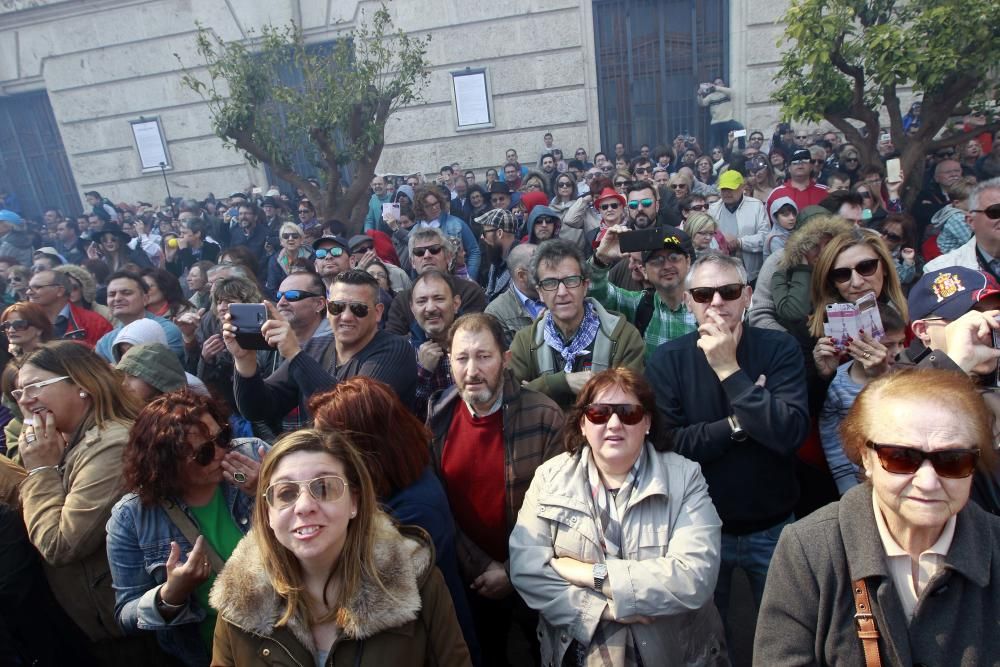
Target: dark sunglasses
x=358 y=309
x=865 y=195
x=950 y=463
x=613 y=205
x=205 y=453
x=323 y=253
x=304 y=210
x=865 y=268
x=361 y=251
x=628 y=413
x=699 y=207
x=850 y=159
x=621 y=184
x=895 y=238
x=564 y=184
x=674 y=186
x=641 y=170
x=992 y=212
x=16 y=325
x=645 y=203
x=290 y=236
x=294 y=295
x=729 y=292
x=945 y=154
x=432 y=249
x=819 y=162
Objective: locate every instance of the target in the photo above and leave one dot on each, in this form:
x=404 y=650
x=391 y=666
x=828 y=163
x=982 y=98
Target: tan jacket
x=66 y=513
x=11 y=475
x=411 y=623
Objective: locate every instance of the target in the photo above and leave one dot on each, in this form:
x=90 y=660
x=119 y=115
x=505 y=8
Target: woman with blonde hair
x=282 y=262
x=704 y=232
x=325 y=577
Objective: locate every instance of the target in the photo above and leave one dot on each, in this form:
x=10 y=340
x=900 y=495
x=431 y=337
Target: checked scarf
x=612 y=644
x=584 y=336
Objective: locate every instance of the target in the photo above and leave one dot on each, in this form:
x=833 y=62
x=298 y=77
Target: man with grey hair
x=734 y=398
x=519 y=305
x=982 y=251
x=430 y=249
x=575 y=336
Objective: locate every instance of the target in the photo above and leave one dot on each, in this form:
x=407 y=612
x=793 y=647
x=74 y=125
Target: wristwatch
x=600 y=574
x=738 y=434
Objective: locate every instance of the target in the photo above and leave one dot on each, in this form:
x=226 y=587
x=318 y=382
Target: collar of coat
x=243 y=595
x=970 y=553
x=444 y=400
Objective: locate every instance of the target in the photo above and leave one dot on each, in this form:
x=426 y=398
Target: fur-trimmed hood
x=244 y=597
x=809 y=235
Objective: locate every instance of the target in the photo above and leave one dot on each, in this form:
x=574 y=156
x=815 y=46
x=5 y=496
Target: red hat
x=530 y=200
x=605 y=194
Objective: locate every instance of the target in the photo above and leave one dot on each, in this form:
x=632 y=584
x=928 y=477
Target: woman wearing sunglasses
x=899 y=231
x=190 y=497
x=76 y=425
x=282 y=262
x=906 y=544
x=851 y=265
x=26 y=327
x=617 y=544
x=326 y=577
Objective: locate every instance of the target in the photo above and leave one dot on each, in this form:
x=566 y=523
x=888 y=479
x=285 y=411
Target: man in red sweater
x=489 y=436
x=800 y=186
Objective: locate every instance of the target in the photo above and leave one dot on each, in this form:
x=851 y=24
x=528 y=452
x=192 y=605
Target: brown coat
x=11 y=475
x=413 y=624
x=66 y=513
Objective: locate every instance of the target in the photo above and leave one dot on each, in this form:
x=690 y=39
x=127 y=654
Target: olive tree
x=335 y=111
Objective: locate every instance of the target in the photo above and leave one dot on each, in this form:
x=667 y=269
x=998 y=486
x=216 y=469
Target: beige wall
x=105 y=62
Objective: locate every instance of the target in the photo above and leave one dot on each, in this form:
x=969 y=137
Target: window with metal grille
x=651 y=56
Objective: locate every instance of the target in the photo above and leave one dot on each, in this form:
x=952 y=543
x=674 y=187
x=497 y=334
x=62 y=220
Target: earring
x=83 y=394
x=353 y=514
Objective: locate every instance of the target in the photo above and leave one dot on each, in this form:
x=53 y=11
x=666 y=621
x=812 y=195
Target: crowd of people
x=554 y=406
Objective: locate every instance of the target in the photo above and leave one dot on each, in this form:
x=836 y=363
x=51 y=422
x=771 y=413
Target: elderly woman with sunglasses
x=903 y=567
x=617 y=544
x=325 y=577
x=190 y=501
x=282 y=262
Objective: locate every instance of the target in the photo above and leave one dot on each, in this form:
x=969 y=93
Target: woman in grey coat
x=929 y=560
x=617 y=545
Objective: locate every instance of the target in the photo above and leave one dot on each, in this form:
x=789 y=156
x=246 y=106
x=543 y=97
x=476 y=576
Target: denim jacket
x=138 y=543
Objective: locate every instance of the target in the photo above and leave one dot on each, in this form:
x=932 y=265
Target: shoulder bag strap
x=191 y=533
x=864 y=621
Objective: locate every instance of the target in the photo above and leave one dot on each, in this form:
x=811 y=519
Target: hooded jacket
x=412 y=622
x=778 y=235
x=17 y=244
x=537 y=212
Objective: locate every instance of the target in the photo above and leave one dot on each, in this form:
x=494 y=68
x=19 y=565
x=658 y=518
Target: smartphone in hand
x=248 y=318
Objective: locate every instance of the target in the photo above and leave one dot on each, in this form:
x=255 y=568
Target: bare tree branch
x=962 y=137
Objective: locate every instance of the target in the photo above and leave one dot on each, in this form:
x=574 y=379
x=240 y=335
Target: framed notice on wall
x=473 y=99
x=151 y=144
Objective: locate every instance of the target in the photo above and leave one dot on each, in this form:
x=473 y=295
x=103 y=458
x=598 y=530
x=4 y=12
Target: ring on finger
x=239 y=477
x=867 y=355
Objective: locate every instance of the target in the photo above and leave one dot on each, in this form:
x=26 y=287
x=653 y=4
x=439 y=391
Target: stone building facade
x=103 y=63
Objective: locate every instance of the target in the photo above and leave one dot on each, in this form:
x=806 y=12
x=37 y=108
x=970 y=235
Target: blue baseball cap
x=950 y=293
x=11 y=217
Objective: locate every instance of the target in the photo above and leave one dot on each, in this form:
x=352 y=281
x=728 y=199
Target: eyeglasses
x=600 y=413
x=290 y=236
x=699 y=207
x=362 y=250
x=38 y=287
x=641 y=170
x=645 y=203
x=564 y=184
x=323 y=253
x=659 y=260
x=729 y=292
x=16 y=325
x=992 y=211
x=358 y=309
x=32 y=391
x=612 y=206
x=945 y=154
x=327 y=489
x=799 y=162
x=949 y=463
x=850 y=158
x=866 y=268
x=865 y=194
x=674 y=186
x=818 y=162
x=303 y=211
x=294 y=295
x=432 y=249
x=895 y=238
x=544 y=220
x=204 y=454
x=552 y=284
x=621 y=184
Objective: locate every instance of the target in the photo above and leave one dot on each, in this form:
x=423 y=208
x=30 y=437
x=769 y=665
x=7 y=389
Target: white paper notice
x=470 y=98
x=149 y=141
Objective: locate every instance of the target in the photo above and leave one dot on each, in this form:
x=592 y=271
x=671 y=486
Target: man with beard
x=489 y=436
x=435 y=306
x=251 y=233
x=500 y=236
x=543 y=224
x=659 y=313
x=643 y=205
x=332 y=255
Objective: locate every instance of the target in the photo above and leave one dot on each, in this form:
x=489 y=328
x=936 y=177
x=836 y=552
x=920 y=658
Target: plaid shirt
x=665 y=325
x=429 y=382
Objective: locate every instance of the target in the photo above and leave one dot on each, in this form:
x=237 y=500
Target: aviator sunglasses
x=600 y=413
x=358 y=309
x=327 y=489
x=949 y=463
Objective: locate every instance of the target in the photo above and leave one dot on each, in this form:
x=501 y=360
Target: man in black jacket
x=735 y=399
